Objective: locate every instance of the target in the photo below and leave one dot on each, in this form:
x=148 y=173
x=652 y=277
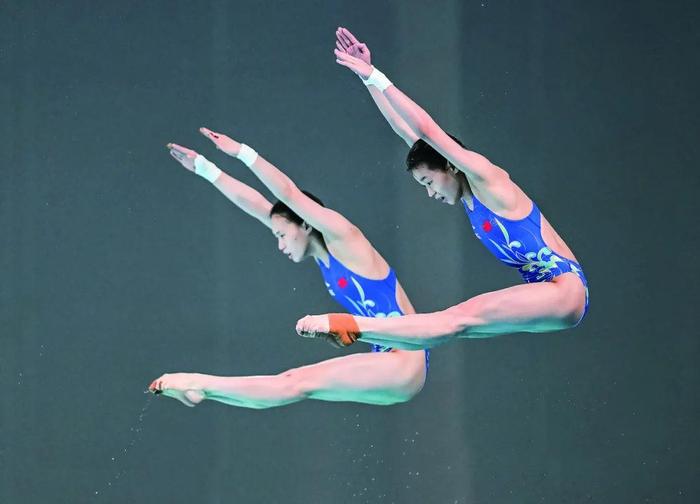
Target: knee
x=481 y=307
x=461 y=317
x=296 y=383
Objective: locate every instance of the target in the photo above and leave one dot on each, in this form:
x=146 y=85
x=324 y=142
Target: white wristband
x=377 y=79
x=247 y=155
x=206 y=169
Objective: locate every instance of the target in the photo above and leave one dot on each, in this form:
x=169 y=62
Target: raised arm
x=328 y=222
x=348 y=43
x=474 y=165
x=244 y=197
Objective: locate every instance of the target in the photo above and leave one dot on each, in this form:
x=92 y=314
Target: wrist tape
x=247 y=155
x=206 y=169
x=377 y=79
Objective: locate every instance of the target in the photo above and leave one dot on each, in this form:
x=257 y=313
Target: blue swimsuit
x=362 y=296
x=519 y=244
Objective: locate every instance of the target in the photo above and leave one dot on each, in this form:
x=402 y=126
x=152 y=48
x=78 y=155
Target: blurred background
x=117 y=265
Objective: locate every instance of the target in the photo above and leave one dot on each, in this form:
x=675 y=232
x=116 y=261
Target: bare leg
x=536 y=307
x=380 y=378
x=399 y=345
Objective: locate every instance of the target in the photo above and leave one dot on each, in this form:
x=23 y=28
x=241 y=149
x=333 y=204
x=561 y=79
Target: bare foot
x=319 y=326
x=180 y=386
x=313 y=326
x=189 y=398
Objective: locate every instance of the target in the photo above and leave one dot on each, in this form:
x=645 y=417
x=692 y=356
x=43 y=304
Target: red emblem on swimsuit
x=486 y=226
x=342 y=283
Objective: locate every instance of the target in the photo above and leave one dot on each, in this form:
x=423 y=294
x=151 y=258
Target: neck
x=464 y=187
x=317 y=248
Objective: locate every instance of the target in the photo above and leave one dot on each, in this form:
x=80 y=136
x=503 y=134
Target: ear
x=451 y=167
x=306 y=228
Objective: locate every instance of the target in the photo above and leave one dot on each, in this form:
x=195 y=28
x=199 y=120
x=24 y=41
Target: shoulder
x=355 y=251
x=500 y=194
x=348 y=240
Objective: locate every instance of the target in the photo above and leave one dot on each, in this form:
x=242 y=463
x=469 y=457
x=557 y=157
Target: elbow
x=285 y=192
x=426 y=127
x=405 y=132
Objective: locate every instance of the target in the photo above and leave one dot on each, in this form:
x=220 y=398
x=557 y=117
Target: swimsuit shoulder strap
x=534 y=214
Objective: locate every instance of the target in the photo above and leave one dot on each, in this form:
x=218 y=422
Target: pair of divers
x=510 y=225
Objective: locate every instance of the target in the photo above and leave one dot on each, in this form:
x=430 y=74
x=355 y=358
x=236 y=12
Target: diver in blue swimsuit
x=355 y=274
x=504 y=219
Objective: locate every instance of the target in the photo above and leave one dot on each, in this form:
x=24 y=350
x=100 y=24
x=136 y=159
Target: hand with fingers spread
x=222 y=142
x=183 y=155
x=348 y=43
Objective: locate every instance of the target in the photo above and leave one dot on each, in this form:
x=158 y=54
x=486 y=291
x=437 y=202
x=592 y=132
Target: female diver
x=503 y=217
x=355 y=274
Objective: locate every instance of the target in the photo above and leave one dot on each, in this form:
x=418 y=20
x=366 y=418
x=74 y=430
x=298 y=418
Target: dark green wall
x=116 y=265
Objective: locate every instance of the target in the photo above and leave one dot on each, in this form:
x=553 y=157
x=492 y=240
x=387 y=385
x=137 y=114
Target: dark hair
x=421 y=152
x=282 y=209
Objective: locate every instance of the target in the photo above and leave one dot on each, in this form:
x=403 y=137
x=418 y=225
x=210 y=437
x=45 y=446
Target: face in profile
x=292 y=239
x=441 y=185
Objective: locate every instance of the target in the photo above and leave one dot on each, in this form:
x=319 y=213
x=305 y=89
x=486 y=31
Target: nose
x=431 y=193
x=280 y=244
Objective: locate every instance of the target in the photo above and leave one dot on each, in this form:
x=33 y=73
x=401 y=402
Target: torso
x=512 y=228
x=510 y=202
x=360 y=295
x=358 y=256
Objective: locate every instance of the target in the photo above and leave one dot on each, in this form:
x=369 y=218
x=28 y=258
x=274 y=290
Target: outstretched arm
x=348 y=43
x=328 y=222
x=244 y=197
x=474 y=165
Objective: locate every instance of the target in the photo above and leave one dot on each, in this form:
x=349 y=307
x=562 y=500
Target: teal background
x=117 y=265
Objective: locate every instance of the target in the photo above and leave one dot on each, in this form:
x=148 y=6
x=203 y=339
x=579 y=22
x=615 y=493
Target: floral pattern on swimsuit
x=362 y=296
x=519 y=244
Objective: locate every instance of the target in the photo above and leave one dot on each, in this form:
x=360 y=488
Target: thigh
x=534 y=307
x=374 y=378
